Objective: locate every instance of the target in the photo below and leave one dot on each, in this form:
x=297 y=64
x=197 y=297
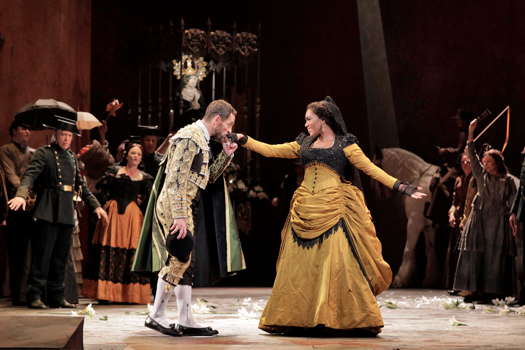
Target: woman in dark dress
x=109 y=276
x=487 y=248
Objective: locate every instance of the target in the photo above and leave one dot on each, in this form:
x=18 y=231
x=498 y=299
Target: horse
x=410 y=168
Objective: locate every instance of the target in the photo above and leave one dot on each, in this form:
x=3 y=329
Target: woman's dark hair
x=498 y=159
x=328 y=111
x=128 y=147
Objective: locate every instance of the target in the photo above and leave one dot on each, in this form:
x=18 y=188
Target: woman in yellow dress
x=330 y=266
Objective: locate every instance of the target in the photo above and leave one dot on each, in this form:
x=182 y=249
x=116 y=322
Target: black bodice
x=333 y=157
x=124 y=190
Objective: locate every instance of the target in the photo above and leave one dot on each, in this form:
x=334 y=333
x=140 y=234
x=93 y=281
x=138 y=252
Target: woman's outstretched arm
x=356 y=156
x=358 y=159
x=284 y=150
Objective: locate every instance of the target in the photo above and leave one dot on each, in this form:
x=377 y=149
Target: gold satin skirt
x=330 y=266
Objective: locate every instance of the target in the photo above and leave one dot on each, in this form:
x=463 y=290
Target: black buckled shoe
x=171 y=330
x=63 y=304
x=37 y=304
x=197 y=331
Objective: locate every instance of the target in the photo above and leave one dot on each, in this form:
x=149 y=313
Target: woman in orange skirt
x=108 y=273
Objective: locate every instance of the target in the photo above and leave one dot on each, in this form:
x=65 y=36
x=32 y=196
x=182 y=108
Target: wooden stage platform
x=414 y=319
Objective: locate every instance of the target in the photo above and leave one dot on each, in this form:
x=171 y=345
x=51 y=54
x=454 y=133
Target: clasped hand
x=229 y=147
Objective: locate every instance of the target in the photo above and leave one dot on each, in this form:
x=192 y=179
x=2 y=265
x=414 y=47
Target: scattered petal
x=506 y=310
x=244 y=313
x=455 y=304
x=511 y=301
x=203 y=307
x=88 y=311
x=390 y=304
x=142 y=313
x=456 y=323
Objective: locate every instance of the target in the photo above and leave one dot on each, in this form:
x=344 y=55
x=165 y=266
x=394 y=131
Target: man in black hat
x=14 y=159
x=54 y=176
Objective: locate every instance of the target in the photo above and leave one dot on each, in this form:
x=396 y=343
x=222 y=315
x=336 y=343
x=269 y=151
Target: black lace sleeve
x=300 y=138
x=349 y=139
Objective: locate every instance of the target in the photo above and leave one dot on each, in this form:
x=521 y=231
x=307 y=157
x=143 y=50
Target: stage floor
x=414 y=319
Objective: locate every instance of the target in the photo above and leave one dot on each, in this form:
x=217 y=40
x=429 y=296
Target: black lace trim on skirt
x=309 y=243
x=113 y=264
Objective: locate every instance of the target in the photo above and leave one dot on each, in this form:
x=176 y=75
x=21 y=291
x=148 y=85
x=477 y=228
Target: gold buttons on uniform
x=59 y=175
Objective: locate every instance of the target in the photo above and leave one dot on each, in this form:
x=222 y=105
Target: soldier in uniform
x=169 y=223
x=54 y=176
x=14 y=158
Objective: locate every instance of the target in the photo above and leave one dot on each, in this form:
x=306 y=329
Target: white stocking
x=160 y=304
x=183 y=293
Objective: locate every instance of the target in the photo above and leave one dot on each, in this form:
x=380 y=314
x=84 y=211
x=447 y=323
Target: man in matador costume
x=166 y=240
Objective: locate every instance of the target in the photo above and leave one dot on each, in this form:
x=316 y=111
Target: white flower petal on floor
x=390 y=304
x=247 y=301
x=455 y=323
x=88 y=311
x=202 y=306
x=455 y=304
x=419 y=302
x=506 y=310
x=510 y=301
x=258 y=306
x=245 y=313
